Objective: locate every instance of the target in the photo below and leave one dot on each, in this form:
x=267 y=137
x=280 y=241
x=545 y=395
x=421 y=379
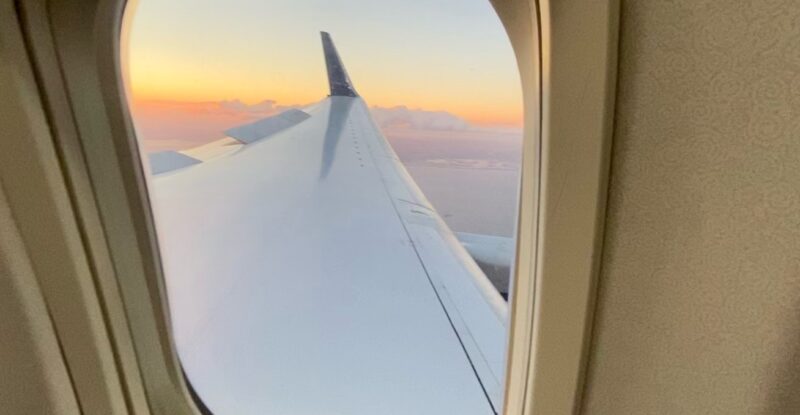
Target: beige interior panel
x=39 y=204
x=74 y=48
x=566 y=52
x=34 y=379
x=699 y=298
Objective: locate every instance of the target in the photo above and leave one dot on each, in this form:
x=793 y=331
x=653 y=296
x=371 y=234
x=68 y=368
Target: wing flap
x=167 y=161
x=265 y=127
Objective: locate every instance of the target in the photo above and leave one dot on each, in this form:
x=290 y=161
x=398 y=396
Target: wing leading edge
x=310 y=264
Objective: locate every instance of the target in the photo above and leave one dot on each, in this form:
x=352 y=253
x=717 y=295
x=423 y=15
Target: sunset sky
x=436 y=55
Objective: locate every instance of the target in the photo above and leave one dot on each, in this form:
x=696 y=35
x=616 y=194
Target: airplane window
x=334 y=185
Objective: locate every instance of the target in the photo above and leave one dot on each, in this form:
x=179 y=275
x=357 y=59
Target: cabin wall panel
x=698 y=308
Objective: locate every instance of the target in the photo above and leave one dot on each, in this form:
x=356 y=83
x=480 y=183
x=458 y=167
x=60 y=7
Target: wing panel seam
x=430 y=281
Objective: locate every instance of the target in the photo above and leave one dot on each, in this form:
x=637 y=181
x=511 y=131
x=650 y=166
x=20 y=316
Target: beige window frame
x=108 y=305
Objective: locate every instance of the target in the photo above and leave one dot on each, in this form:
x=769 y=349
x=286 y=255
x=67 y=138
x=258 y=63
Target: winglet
x=337 y=76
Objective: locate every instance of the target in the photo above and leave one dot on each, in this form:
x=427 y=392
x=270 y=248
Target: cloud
x=174 y=125
x=401 y=117
x=265 y=107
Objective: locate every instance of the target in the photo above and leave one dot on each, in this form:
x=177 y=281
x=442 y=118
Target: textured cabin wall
x=33 y=377
x=699 y=299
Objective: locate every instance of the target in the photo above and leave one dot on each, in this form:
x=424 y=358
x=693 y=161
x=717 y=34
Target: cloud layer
x=401 y=117
x=172 y=125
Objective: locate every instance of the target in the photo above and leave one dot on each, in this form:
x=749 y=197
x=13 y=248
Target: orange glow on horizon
x=509 y=116
x=460 y=63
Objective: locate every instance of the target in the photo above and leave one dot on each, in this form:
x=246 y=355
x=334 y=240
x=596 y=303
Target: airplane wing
x=308 y=274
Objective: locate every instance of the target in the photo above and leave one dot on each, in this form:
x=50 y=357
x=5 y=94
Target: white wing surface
x=307 y=273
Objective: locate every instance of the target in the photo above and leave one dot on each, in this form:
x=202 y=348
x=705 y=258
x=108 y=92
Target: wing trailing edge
x=167 y=161
x=265 y=127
